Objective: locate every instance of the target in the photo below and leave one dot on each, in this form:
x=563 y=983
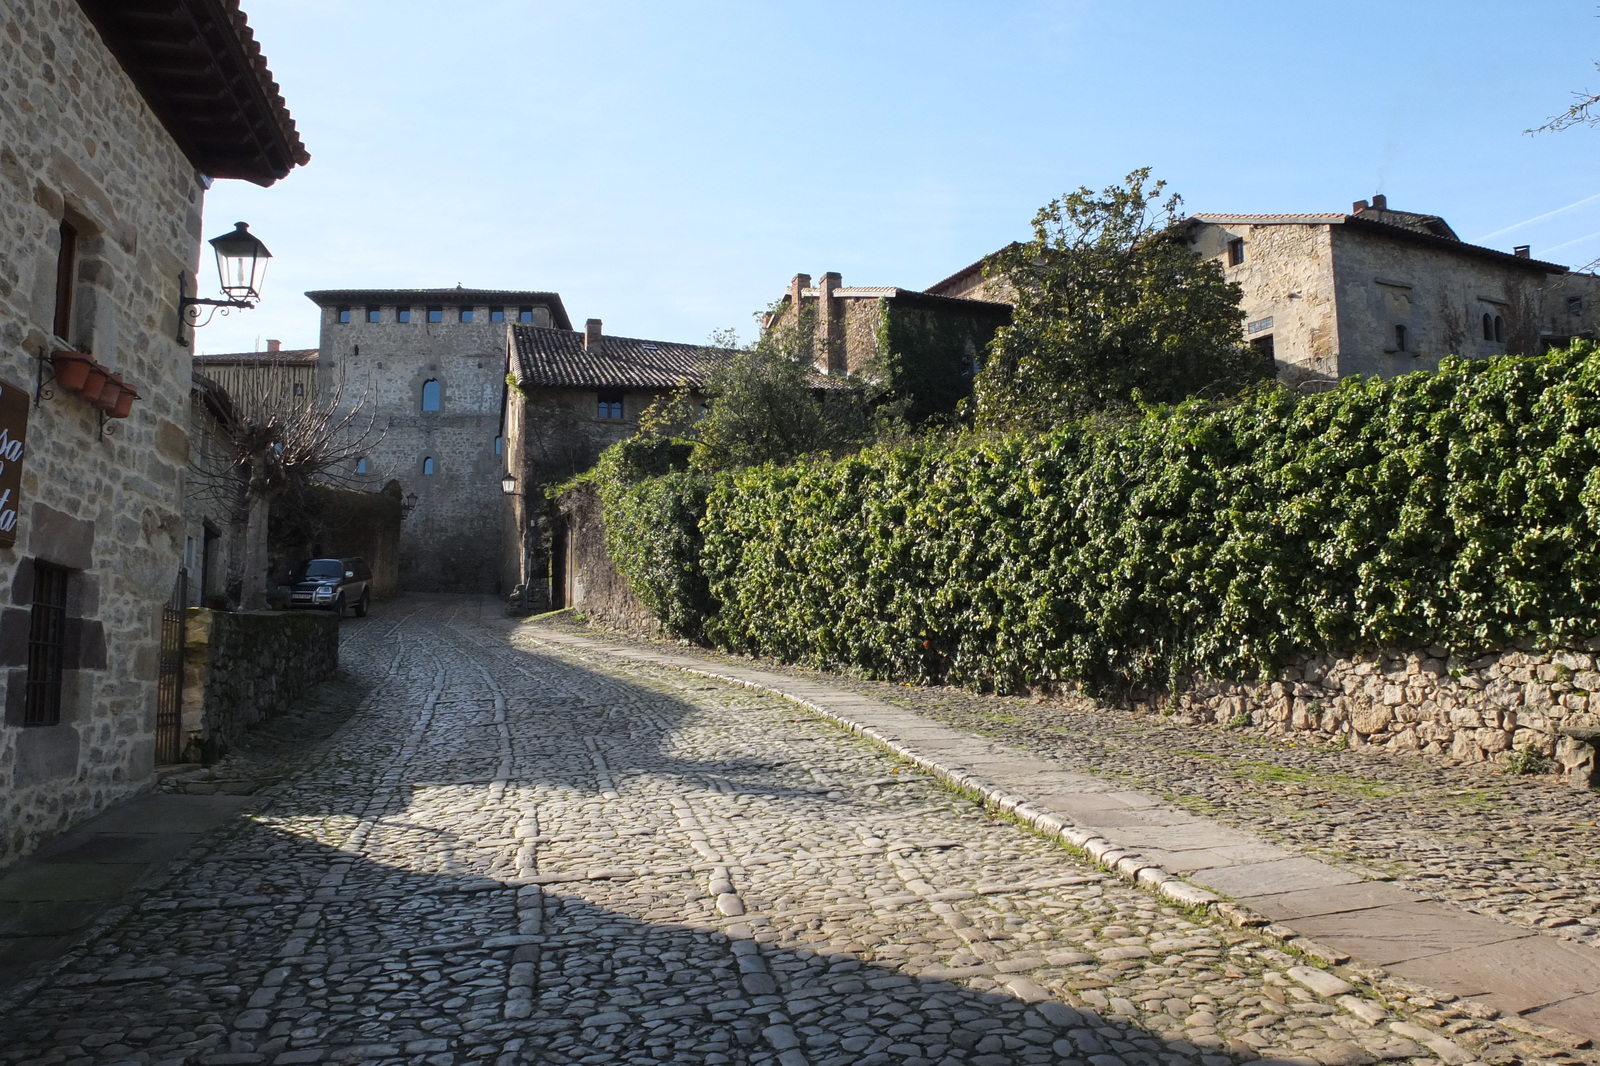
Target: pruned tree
x=274 y=443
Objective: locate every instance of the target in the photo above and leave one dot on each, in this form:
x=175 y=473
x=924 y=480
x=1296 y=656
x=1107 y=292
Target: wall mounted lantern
x=408 y=505
x=241 y=266
x=508 y=485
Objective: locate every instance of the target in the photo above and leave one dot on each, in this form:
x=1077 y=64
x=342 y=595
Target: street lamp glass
x=241 y=262
x=508 y=485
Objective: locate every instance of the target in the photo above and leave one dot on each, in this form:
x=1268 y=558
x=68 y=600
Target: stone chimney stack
x=1358 y=207
x=274 y=346
x=797 y=285
x=1380 y=202
x=1522 y=251
x=591 y=334
x=830 y=325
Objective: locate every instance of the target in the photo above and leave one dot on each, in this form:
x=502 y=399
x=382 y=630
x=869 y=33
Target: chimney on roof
x=1380 y=202
x=798 y=283
x=1522 y=251
x=830 y=325
x=1358 y=207
x=274 y=346
x=591 y=334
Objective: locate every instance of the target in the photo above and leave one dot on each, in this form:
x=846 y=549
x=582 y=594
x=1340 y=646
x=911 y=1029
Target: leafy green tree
x=768 y=404
x=1111 y=306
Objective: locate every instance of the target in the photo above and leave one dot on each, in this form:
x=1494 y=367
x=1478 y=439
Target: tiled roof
x=557 y=358
x=288 y=355
x=1272 y=220
x=197 y=64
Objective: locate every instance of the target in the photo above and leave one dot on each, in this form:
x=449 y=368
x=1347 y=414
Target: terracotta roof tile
x=557 y=358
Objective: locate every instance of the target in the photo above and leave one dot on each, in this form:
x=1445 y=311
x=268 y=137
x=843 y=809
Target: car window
x=317 y=569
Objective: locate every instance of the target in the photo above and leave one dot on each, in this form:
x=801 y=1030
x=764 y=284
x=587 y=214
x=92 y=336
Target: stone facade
x=242 y=668
x=844 y=322
x=213 y=503
x=1423 y=701
x=436 y=389
x=100 y=209
x=1385 y=292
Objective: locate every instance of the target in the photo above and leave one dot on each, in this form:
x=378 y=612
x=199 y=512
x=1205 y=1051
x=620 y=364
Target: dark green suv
x=332 y=585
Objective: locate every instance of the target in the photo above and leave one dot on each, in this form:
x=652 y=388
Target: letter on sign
x=13 y=435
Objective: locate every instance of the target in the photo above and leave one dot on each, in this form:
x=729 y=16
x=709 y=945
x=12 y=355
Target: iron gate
x=169 y=686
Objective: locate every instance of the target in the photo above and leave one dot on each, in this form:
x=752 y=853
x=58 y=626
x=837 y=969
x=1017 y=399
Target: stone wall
x=242 y=668
x=78 y=144
x=1473 y=710
x=593 y=586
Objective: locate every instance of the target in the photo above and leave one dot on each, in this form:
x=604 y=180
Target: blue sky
x=668 y=167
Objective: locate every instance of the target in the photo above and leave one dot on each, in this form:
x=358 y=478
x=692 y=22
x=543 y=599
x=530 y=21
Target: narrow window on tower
x=497 y=314
x=430 y=395
x=402 y=314
x=427 y=465
x=465 y=314
x=1236 y=251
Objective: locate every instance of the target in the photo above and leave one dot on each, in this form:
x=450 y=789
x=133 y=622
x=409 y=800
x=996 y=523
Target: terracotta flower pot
x=71 y=369
x=94 y=382
x=125 y=400
x=108 y=396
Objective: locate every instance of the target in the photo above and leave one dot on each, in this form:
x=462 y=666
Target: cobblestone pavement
x=509 y=856
x=1524 y=849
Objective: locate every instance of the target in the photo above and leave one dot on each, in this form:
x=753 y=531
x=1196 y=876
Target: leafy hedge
x=1458 y=508
x=652 y=507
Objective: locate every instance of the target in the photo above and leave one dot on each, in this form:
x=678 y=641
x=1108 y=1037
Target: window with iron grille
x=47 y=645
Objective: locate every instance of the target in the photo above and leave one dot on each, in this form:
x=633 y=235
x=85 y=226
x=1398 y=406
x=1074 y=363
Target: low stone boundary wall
x=242 y=668
x=1469 y=710
x=593 y=586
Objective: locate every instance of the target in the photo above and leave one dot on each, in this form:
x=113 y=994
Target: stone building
x=569 y=396
x=1383 y=292
x=1376 y=291
x=924 y=347
x=114 y=118
x=431 y=365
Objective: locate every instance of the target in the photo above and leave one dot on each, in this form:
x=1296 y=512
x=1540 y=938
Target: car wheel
x=338 y=606
x=361 y=605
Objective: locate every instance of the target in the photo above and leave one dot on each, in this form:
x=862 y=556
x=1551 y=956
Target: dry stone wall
x=242 y=668
x=1473 y=710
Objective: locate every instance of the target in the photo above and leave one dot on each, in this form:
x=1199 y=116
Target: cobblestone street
x=515 y=855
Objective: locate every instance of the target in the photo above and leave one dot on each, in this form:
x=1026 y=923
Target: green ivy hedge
x=1457 y=508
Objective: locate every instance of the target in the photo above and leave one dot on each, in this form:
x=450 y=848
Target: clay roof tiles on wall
x=283 y=356
x=197 y=64
x=557 y=358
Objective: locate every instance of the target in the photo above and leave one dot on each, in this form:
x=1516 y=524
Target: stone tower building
x=432 y=363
